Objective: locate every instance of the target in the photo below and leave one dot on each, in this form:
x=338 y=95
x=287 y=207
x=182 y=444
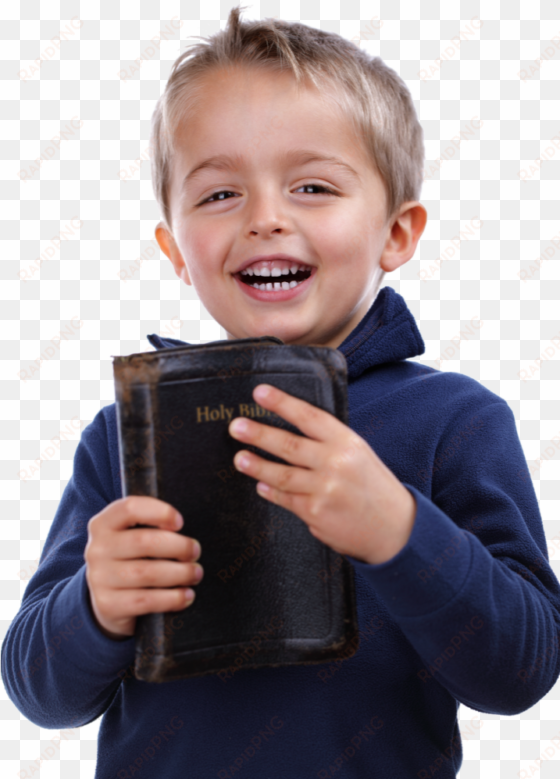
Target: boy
x=425 y=492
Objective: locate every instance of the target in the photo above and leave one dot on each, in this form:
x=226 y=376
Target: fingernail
x=242 y=462
x=196 y=550
x=262 y=391
x=178 y=520
x=239 y=425
x=198 y=573
x=189 y=595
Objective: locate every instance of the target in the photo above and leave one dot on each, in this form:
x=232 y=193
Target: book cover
x=272 y=594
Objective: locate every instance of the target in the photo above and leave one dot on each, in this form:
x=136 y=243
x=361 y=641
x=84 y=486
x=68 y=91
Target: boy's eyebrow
x=298 y=157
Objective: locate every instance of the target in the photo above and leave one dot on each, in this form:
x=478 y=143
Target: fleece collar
x=387 y=333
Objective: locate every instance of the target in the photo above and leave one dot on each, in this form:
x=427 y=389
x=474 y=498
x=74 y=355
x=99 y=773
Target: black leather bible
x=272 y=594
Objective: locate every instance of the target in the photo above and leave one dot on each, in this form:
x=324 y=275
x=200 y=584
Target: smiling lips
x=292 y=273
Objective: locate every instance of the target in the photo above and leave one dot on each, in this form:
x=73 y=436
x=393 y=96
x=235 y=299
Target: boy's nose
x=267 y=217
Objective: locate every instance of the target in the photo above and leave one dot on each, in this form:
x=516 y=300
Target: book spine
x=137 y=418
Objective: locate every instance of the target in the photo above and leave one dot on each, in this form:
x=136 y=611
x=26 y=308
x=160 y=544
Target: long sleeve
x=472 y=589
x=59 y=669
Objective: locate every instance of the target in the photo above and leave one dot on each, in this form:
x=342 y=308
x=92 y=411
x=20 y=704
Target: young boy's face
x=273 y=203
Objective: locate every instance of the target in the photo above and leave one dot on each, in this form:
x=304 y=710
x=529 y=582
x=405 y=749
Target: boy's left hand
x=339 y=487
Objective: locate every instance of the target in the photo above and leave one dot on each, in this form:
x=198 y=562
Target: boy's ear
x=404 y=233
x=170 y=249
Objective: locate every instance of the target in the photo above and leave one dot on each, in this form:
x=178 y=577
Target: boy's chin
x=296 y=324
x=288 y=335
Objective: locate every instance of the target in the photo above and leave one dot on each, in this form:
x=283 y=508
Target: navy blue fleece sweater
x=468 y=611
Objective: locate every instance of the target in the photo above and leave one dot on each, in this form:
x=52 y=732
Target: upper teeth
x=272 y=271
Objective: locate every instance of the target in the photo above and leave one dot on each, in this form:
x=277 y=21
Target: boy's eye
x=217 y=196
x=317 y=186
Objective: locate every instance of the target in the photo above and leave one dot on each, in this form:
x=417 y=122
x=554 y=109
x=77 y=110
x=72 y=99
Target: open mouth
x=285 y=280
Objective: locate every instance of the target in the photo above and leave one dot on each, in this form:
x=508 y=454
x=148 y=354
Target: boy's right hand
x=122 y=583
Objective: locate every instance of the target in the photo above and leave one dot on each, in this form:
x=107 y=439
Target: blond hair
x=372 y=95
